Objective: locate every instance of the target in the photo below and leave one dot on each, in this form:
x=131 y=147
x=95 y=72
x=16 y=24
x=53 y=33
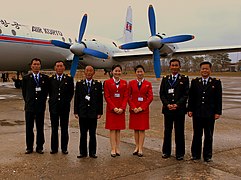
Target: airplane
x=20 y=43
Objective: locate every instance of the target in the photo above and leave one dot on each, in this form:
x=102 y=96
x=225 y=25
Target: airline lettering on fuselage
x=6 y=24
x=46 y=31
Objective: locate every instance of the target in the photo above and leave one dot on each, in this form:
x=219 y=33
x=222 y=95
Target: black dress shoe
x=65 y=152
x=113 y=155
x=117 y=154
x=81 y=156
x=207 y=159
x=135 y=153
x=53 y=152
x=195 y=158
x=40 y=151
x=93 y=156
x=140 y=154
x=179 y=158
x=28 y=151
x=165 y=156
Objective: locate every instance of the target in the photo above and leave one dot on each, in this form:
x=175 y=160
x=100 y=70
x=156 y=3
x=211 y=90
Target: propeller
x=79 y=48
x=155 y=42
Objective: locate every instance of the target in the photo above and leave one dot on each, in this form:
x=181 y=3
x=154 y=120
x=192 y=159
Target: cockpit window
x=14 y=32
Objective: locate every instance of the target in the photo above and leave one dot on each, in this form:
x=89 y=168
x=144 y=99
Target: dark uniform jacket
x=178 y=96
x=60 y=93
x=88 y=108
x=35 y=101
x=205 y=101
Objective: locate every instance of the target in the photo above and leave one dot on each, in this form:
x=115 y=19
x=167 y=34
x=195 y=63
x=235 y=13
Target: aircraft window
x=14 y=32
x=70 y=40
x=0 y=31
x=63 y=39
x=114 y=44
x=93 y=39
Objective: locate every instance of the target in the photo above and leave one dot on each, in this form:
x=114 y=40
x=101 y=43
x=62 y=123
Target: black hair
x=35 y=59
x=139 y=66
x=115 y=66
x=206 y=62
x=59 y=62
x=175 y=60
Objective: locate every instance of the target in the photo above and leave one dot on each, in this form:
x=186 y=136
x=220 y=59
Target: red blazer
x=111 y=92
x=139 y=121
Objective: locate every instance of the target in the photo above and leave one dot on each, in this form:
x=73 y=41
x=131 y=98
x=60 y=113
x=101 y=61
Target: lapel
x=113 y=85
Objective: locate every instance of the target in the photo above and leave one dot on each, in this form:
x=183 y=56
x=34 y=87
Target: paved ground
x=14 y=164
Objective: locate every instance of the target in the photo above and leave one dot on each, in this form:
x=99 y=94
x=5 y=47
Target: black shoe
x=195 y=158
x=140 y=154
x=135 y=153
x=40 y=151
x=53 y=152
x=207 y=159
x=113 y=155
x=93 y=156
x=28 y=151
x=65 y=152
x=81 y=156
x=165 y=156
x=179 y=158
x=117 y=154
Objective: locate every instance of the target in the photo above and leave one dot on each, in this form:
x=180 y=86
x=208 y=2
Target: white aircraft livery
x=20 y=43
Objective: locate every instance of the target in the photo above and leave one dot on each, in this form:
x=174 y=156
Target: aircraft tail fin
x=128 y=33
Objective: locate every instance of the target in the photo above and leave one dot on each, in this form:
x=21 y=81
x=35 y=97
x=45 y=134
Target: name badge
x=170 y=91
x=87 y=98
x=117 y=95
x=38 y=89
x=140 y=99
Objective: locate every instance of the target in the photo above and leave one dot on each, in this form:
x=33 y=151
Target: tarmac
x=226 y=164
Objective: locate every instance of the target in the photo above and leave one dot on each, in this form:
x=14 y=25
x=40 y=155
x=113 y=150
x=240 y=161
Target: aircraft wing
x=203 y=51
x=146 y=54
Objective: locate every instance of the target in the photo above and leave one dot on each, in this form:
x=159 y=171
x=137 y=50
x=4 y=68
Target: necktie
x=36 y=79
x=204 y=82
x=139 y=85
x=59 y=78
x=88 y=86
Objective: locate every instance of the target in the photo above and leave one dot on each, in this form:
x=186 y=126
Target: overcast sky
x=213 y=22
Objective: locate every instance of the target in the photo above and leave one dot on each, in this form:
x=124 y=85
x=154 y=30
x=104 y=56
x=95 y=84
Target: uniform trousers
x=200 y=125
x=178 y=119
x=87 y=124
x=38 y=117
x=62 y=119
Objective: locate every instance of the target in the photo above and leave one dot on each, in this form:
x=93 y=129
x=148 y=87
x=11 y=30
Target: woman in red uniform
x=116 y=96
x=140 y=97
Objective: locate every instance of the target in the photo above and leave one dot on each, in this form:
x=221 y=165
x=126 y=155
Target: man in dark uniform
x=88 y=107
x=205 y=106
x=35 y=92
x=173 y=93
x=61 y=91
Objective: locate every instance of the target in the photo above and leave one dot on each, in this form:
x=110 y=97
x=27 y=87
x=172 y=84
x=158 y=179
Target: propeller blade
x=152 y=20
x=134 y=45
x=60 y=44
x=95 y=53
x=157 y=64
x=177 y=39
x=82 y=28
x=74 y=65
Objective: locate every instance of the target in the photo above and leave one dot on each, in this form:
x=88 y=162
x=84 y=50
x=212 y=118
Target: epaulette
x=97 y=81
x=53 y=75
x=216 y=79
x=183 y=75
